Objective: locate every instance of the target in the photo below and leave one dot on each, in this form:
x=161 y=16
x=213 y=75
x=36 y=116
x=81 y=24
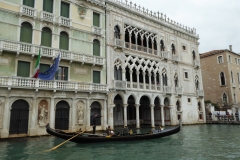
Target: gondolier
x=94 y=122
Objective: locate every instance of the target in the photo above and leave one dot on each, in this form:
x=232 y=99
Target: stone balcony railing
x=140 y=48
x=96 y=30
x=32 y=83
x=118 y=84
x=200 y=93
x=196 y=63
x=65 y=21
x=178 y=90
x=167 y=89
x=31 y=49
x=164 y=54
x=142 y=86
x=28 y=11
x=46 y=16
x=119 y=43
x=176 y=58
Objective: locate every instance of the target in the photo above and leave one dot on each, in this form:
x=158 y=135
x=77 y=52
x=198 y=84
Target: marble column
x=34 y=116
x=6 y=120
x=155 y=81
x=161 y=82
x=88 y=114
x=137 y=116
x=150 y=83
x=144 y=81
x=123 y=75
x=74 y=115
x=137 y=73
x=152 y=115
x=162 y=115
x=125 y=114
x=110 y=115
x=147 y=45
x=136 y=41
x=52 y=114
x=105 y=114
x=131 y=81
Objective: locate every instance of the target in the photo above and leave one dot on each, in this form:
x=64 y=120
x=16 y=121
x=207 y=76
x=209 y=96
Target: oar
x=63 y=142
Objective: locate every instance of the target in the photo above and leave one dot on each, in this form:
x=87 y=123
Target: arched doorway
x=19 y=117
x=62 y=116
x=145 y=110
x=131 y=111
x=166 y=111
x=157 y=111
x=96 y=108
x=118 y=116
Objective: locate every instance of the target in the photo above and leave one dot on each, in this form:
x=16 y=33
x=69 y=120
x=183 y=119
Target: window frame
x=186 y=73
x=17 y=67
x=100 y=73
x=218 y=59
x=100 y=24
x=60 y=66
x=100 y=48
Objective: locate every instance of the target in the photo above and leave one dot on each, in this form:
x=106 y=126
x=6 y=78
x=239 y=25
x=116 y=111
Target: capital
x=152 y=105
x=137 y=105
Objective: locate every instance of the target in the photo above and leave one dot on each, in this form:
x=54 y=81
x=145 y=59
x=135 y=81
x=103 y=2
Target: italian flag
x=36 y=69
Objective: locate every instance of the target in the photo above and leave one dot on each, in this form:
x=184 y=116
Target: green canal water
x=196 y=142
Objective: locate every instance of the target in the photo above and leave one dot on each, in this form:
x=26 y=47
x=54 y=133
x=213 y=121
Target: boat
x=94 y=138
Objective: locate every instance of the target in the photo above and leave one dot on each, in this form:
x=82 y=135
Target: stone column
x=150 y=83
x=74 y=116
x=155 y=81
x=105 y=114
x=110 y=115
x=137 y=116
x=137 y=73
x=147 y=45
x=52 y=114
x=130 y=40
x=161 y=82
x=152 y=115
x=88 y=114
x=162 y=115
x=131 y=83
x=144 y=81
x=6 y=121
x=123 y=75
x=34 y=116
x=136 y=41
x=125 y=114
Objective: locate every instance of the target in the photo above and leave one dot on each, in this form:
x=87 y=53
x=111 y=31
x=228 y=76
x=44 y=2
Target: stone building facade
x=221 y=78
x=76 y=30
x=153 y=68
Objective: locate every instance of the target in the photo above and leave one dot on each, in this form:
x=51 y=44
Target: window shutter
x=46 y=37
x=23 y=69
x=65 y=73
x=29 y=3
x=64 y=9
x=44 y=67
x=48 y=6
x=96 y=77
x=64 y=41
x=96 y=20
x=26 y=33
x=96 y=48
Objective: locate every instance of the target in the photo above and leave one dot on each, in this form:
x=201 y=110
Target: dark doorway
x=62 y=116
x=96 y=108
x=19 y=117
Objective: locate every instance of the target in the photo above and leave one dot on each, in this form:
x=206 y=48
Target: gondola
x=94 y=138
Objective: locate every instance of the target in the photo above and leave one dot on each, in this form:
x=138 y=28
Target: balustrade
x=47 y=16
x=119 y=43
x=96 y=30
x=65 y=21
x=28 y=11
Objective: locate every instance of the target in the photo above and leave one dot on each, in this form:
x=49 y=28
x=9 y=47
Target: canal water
x=194 y=142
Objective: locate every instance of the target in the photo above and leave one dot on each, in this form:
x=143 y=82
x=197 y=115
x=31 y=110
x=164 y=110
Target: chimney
x=230 y=47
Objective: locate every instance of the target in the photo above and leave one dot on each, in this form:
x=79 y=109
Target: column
x=136 y=41
x=52 y=114
x=105 y=114
x=155 y=81
x=137 y=116
x=161 y=82
x=150 y=83
x=74 y=116
x=110 y=115
x=153 y=47
x=162 y=115
x=147 y=45
x=131 y=83
x=123 y=75
x=130 y=40
x=125 y=114
x=6 y=121
x=144 y=81
x=137 y=73
x=33 y=130
x=152 y=115
x=88 y=114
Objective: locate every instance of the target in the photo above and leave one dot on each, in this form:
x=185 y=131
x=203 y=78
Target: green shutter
x=29 y=3
x=96 y=48
x=46 y=37
x=26 y=33
x=44 y=67
x=96 y=76
x=96 y=19
x=64 y=9
x=64 y=41
x=23 y=69
x=48 y=6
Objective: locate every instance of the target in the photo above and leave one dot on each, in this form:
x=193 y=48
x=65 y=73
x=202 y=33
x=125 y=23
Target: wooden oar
x=63 y=142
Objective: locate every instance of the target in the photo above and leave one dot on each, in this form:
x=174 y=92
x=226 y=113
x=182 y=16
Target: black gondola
x=93 y=138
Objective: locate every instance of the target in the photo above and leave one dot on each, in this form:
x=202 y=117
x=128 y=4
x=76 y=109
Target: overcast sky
x=217 y=21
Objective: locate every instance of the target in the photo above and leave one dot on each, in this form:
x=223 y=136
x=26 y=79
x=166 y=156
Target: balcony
x=46 y=16
x=119 y=43
x=28 y=11
x=196 y=63
x=164 y=54
x=118 y=84
x=167 y=89
x=64 y=21
x=200 y=93
x=178 y=90
x=31 y=49
x=140 y=48
x=96 y=30
x=176 y=58
x=32 y=83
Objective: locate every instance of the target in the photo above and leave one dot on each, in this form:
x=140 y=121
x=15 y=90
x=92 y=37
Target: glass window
x=26 y=33
x=65 y=9
x=62 y=73
x=29 y=3
x=96 y=47
x=64 y=41
x=23 y=69
x=96 y=19
x=48 y=6
x=46 y=37
x=222 y=77
x=96 y=77
x=220 y=59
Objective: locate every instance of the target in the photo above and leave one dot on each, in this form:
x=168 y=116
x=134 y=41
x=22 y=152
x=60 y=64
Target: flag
x=36 y=69
x=50 y=73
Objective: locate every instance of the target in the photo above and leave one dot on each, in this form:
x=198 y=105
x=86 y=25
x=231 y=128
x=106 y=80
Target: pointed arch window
x=116 y=32
x=26 y=33
x=46 y=37
x=196 y=83
x=164 y=78
x=176 y=80
x=117 y=70
x=96 y=47
x=193 y=55
x=64 y=41
x=232 y=77
x=222 y=79
x=162 y=45
x=173 y=49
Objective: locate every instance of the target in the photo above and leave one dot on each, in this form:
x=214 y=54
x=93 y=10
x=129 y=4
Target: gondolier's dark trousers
x=94 y=129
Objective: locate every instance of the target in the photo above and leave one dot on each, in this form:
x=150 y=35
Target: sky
x=217 y=21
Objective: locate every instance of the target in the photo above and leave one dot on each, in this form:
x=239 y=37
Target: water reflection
x=193 y=142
